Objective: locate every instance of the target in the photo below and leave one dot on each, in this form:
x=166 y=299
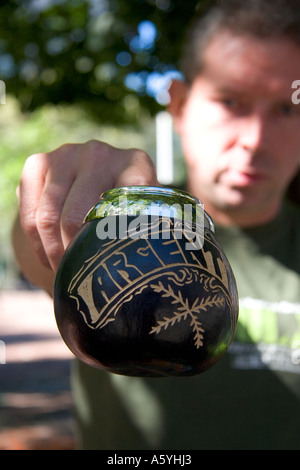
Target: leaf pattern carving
x=184 y=311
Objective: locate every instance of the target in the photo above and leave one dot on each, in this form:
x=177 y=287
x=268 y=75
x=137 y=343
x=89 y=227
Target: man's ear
x=178 y=94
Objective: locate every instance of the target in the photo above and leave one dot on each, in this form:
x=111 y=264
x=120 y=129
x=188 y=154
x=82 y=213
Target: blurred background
x=70 y=72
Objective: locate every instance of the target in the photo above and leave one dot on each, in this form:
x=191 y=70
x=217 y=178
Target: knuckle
x=32 y=161
x=93 y=144
x=47 y=219
x=71 y=223
x=143 y=159
x=28 y=222
x=139 y=155
x=93 y=153
x=64 y=151
x=143 y=168
x=33 y=158
x=94 y=147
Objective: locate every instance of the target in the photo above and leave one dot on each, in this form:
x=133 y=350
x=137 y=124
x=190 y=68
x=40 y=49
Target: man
x=241 y=141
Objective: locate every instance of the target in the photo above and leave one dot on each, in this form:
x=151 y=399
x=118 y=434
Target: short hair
x=258 y=18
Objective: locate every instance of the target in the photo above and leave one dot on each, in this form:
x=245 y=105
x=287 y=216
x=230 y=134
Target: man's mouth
x=244 y=178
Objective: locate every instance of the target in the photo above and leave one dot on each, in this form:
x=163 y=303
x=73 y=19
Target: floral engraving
x=184 y=311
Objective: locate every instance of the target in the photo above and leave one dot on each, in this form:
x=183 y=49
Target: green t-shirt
x=250 y=399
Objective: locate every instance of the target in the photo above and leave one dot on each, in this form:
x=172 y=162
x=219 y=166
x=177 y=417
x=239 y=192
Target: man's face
x=239 y=129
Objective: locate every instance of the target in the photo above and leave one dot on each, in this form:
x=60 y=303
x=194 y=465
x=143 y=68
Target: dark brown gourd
x=144 y=289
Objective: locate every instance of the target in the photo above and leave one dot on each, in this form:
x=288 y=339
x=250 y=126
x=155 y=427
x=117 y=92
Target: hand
x=58 y=188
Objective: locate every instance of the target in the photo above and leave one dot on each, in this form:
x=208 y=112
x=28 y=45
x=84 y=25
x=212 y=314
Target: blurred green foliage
x=97 y=53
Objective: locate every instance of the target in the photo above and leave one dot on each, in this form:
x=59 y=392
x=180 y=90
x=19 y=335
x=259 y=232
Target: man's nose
x=253 y=132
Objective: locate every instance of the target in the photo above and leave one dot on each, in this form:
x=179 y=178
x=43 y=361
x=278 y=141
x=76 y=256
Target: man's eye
x=286 y=109
x=230 y=103
x=235 y=106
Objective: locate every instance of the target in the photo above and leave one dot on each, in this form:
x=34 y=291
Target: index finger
x=29 y=193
